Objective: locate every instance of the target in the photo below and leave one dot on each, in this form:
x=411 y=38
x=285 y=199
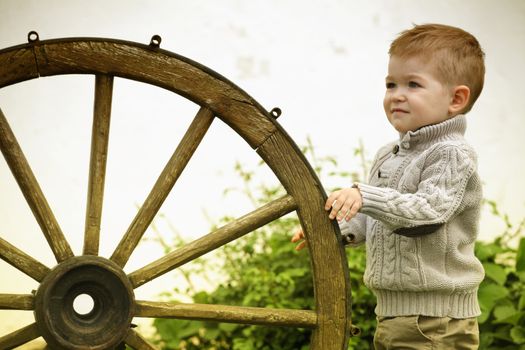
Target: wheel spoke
x=32 y=192
x=97 y=166
x=137 y=342
x=19 y=337
x=22 y=261
x=164 y=184
x=230 y=314
x=16 y=302
x=214 y=240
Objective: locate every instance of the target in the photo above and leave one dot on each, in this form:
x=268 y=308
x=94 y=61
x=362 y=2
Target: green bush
x=263 y=269
x=501 y=294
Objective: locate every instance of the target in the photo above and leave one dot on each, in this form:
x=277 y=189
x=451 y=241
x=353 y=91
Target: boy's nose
x=398 y=95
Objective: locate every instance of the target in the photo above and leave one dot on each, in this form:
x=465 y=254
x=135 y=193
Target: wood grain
x=17 y=302
x=17 y=64
x=330 y=268
x=214 y=240
x=19 y=337
x=97 y=164
x=163 y=186
x=33 y=194
x=22 y=261
x=161 y=68
x=231 y=314
x=137 y=342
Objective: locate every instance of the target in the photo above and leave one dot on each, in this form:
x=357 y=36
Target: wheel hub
x=104 y=324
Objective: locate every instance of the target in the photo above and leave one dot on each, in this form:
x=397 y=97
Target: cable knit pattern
x=442 y=176
x=420 y=221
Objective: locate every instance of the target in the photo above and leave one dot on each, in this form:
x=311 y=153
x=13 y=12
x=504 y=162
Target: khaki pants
x=423 y=332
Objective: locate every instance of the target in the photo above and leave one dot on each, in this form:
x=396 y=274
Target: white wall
x=323 y=63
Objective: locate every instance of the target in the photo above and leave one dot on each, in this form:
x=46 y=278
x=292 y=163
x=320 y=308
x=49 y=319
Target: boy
x=419 y=211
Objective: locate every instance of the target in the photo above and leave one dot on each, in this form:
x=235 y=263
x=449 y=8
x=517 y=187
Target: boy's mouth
x=398 y=110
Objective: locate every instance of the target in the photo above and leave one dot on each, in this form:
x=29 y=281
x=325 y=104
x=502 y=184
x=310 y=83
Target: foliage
x=501 y=294
x=263 y=269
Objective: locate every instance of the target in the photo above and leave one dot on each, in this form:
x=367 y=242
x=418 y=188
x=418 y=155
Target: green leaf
x=521 y=303
x=201 y=297
x=502 y=332
x=485 y=340
x=496 y=273
x=518 y=334
x=489 y=294
x=507 y=314
x=228 y=327
x=485 y=314
x=486 y=251
x=211 y=333
x=520 y=257
x=192 y=328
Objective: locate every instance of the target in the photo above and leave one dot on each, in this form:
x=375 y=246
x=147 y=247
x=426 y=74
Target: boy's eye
x=413 y=84
x=390 y=85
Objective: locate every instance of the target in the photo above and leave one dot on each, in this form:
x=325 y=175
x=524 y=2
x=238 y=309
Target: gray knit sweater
x=419 y=219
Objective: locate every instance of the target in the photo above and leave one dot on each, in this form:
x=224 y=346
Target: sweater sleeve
x=354 y=231
x=442 y=185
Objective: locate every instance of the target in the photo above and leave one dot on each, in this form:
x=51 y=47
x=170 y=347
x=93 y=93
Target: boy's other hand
x=299 y=237
x=344 y=204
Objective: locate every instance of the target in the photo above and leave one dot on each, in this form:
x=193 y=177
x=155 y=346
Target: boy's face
x=414 y=97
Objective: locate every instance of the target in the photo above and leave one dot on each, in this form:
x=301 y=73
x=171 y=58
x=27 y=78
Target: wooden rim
x=217 y=97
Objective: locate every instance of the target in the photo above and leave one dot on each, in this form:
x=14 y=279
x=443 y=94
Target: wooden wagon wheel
x=109 y=322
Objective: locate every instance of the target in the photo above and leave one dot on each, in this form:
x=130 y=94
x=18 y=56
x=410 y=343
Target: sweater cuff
x=374 y=198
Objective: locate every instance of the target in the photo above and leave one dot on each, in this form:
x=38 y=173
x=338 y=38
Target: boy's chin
x=403 y=129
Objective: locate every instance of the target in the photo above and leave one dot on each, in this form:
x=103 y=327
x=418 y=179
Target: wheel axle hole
x=83 y=304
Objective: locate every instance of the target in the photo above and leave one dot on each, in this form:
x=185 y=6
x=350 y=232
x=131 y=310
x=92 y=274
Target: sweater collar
x=452 y=128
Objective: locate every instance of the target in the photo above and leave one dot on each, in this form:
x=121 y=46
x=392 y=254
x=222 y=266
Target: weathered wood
x=97 y=166
x=17 y=64
x=162 y=68
x=19 y=337
x=230 y=314
x=330 y=268
x=23 y=262
x=163 y=186
x=217 y=96
x=32 y=192
x=214 y=240
x=137 y=342
x=109 y=320
x=17 y=302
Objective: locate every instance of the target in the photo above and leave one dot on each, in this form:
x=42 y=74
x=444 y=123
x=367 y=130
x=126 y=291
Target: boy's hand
x=344 y=204
x=299 y=237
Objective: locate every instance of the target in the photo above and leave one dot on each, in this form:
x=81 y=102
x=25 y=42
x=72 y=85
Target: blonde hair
x=455 y=54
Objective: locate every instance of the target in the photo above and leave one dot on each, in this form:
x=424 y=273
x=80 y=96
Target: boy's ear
x=460 y=97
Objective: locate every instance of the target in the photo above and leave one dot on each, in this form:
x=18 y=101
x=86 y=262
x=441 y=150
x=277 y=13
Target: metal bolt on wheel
x=110 y=289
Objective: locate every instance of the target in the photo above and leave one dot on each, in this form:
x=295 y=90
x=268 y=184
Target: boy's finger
x=334 y=212
x=343 y=212
x=300 y=246
x=352 y=212
x=330 y=200
x=297 y=236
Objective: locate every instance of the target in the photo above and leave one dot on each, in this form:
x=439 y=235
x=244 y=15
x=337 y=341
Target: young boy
x=419 y=212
